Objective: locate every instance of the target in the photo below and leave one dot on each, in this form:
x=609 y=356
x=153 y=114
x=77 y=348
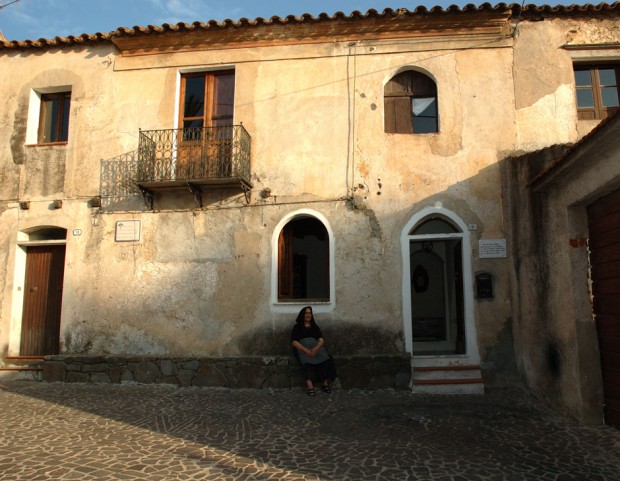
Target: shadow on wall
x=118 y=183
x=341 y=339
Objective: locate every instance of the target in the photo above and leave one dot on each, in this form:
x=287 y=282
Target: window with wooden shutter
x=410 y=104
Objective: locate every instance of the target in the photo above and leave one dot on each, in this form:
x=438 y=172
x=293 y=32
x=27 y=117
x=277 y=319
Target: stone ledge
x=258 y=372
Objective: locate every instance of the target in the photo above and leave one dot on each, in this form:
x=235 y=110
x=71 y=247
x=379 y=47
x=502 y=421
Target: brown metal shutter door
x=604 y=225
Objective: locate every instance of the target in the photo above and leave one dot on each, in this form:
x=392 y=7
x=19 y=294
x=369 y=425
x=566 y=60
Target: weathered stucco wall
x=199 y=281
x=555 y=334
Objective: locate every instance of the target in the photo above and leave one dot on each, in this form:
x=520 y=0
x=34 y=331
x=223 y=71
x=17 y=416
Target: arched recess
x=437 y=287
x=38 y=290
x=302 y=266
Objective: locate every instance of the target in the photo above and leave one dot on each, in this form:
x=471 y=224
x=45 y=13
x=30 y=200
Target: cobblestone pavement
x=134 y=432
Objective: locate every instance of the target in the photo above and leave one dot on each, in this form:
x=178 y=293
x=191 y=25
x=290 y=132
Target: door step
x=22 y=368
x=446 y=379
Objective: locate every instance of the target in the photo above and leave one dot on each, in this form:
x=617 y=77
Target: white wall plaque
x=492 y=248
x=127 y=231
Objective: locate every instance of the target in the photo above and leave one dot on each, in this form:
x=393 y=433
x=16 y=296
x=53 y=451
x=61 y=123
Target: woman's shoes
x=311 y=392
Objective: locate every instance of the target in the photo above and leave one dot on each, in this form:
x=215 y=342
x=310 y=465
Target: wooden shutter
x=398 y=95
x=285 y=263
x=398 y=118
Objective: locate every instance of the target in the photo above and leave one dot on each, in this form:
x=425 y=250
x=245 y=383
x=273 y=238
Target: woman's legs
x=310 y=378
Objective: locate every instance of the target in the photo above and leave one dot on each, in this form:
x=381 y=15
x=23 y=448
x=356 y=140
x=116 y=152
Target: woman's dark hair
x=300 y=316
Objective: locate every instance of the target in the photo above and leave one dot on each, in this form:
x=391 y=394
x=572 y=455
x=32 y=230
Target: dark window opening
x=303 y=261
x=49 y=233
x=54 y=117
x=410 y=104
x=434 y=225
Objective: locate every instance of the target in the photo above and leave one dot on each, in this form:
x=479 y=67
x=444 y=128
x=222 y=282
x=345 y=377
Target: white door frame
x=471 y=338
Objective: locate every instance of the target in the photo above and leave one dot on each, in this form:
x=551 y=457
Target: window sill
x=48 y=144
x=302 y=301
x=293 y=307
x=413 y=134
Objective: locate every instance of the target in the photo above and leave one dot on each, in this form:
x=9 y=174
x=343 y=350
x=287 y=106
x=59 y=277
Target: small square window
x=54 y=118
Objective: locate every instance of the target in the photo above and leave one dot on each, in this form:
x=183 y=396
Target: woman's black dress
x=315 y=372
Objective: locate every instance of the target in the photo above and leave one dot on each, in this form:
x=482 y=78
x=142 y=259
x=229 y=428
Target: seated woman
x=307 y=340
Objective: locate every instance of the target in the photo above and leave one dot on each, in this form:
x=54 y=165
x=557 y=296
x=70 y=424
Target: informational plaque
x=127 y=231
x=492 y=248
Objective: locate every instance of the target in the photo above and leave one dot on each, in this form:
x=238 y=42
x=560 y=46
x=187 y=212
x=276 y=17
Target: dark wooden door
x=604 y=225
x=45 y=267
x=207 y=109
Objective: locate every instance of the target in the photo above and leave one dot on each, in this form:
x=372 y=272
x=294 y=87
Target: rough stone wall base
x=258 y=372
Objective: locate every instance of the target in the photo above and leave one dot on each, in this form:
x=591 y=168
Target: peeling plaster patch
x=375 y=227
x=594 y=32
x=534 y=119
x=119 y=339
x=18 y=133
x=363 y=169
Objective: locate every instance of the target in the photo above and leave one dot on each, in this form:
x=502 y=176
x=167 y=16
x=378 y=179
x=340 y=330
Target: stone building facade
x=181 y=192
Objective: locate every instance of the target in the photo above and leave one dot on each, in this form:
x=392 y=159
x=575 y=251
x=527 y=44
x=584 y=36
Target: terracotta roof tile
x=525 y=12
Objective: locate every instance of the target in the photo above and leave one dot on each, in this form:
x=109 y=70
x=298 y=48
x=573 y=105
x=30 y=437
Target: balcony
x=196 y=158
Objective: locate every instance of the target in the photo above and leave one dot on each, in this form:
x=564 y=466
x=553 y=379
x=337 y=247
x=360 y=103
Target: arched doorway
x=437 y=322
x=437 y=286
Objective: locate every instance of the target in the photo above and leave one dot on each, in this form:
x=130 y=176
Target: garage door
x=604 y=225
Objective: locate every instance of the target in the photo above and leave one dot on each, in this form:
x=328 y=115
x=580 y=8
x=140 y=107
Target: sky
x=34 y=19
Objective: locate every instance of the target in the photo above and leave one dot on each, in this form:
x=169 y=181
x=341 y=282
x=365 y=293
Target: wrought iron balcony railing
x=194 y=154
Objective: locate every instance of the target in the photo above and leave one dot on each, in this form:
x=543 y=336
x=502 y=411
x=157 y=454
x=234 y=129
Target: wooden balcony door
x=45 y=266
x=207 y=108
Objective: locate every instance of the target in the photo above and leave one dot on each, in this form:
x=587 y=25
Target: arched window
x=410 y=104
x=303 y=261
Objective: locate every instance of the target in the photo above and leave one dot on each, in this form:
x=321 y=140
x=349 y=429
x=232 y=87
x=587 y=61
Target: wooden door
x=205 y=140
x=604 y=226
x=45 y=267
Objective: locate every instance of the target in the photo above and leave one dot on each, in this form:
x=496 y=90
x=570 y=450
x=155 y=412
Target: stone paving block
x=76 y=377
x=210 y=375
x=185 y=377
x=167 y=367
x=95 y=367
x=173 y=380
x=72 y=366
x=54 y=371
x=99 y=377
x=145 y=372
x=248 y=374
x=278 y=381
x=115 y=374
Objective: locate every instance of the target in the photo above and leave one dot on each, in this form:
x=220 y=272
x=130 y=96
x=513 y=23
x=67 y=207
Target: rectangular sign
x=127 y=231
x=492 y=248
